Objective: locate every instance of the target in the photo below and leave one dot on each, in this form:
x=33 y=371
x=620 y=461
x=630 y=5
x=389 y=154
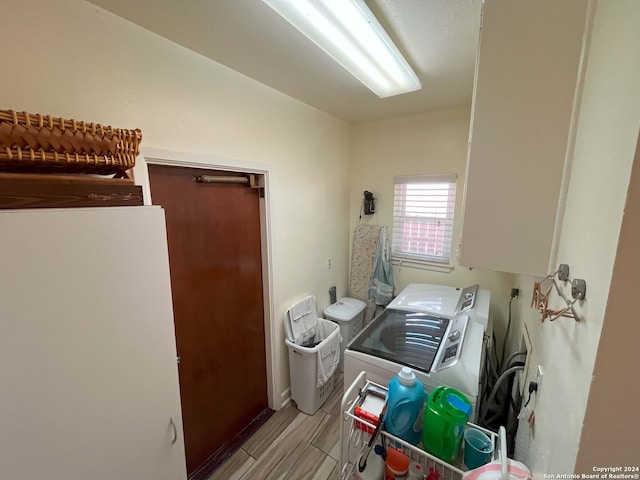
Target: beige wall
x=614 y=393
x=429 y=143
x=71 y=59
x=607 y=132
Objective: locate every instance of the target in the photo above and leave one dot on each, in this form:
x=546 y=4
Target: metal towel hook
x=540 y=300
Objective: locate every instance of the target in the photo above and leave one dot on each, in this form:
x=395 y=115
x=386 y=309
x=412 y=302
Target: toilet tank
x=348 y=313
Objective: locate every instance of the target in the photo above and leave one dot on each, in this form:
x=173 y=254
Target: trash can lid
x=345 y=309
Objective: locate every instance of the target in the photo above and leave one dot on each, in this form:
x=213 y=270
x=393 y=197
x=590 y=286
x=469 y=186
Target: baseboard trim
x=285 y=397
x=205 y=470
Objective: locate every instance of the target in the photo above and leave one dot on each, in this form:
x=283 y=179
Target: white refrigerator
x=88 y=372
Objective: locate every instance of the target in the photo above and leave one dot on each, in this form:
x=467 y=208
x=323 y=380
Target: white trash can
x=348 y=313
x=314 y=355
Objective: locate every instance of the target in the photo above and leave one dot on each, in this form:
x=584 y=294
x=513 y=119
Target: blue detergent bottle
x=405 y=404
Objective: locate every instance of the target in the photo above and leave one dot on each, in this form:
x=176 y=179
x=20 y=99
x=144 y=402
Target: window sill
x=421 y=264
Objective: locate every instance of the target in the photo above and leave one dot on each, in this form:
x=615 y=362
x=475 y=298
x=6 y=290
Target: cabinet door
x=526 y=77
x=87 y=348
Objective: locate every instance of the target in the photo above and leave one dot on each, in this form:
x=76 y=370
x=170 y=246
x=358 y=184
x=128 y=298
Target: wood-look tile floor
x=291 y=445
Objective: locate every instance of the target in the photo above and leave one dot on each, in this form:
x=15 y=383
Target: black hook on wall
x=369 y=203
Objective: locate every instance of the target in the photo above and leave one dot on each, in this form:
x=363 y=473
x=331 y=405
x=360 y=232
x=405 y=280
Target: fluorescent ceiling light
x=348 y=32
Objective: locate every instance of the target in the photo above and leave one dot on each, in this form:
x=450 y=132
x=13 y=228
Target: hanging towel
x=381 y=281
x=328 y=350
x=302 y=319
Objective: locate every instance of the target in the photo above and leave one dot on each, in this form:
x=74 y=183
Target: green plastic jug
x=446 y=413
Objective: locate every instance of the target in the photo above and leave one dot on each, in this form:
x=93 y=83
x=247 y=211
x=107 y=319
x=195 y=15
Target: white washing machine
x=438 y=331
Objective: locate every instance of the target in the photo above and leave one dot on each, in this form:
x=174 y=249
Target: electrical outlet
x=328 y=263
x=525 y=346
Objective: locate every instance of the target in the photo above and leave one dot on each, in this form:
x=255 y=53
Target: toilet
x=348 y=313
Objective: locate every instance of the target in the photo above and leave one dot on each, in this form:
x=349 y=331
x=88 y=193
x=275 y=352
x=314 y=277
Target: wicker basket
x=44 y=144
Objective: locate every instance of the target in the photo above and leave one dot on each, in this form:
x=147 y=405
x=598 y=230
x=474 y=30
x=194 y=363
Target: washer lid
x=423 y=297
x=405 y=338
x=345 y=309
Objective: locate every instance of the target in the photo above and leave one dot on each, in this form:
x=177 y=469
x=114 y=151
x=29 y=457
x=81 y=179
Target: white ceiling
x=437 y=37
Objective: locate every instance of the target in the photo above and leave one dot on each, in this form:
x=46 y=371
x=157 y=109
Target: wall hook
x=540 y=300
x=578 y=289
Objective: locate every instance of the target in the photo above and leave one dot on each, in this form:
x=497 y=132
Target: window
x=423 y=218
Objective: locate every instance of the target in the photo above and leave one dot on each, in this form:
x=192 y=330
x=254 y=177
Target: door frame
x=153 y=156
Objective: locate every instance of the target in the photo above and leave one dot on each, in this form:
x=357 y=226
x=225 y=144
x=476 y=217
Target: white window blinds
x=423 y=217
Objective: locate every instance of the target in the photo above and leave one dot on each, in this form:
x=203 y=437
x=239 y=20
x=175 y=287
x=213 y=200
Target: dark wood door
x=213 y=233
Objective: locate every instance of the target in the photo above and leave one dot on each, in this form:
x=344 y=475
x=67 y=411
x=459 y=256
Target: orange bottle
x=397 y=465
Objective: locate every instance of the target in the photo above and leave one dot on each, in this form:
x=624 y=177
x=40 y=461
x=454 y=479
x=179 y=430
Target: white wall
x=429 y=143
x=607 y=131
x=71 y=59
x=618 y=359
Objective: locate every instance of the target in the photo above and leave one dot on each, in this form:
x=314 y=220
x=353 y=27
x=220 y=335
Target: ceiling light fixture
x=349 y=33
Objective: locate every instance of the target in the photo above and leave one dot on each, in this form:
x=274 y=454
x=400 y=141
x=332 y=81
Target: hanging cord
x=514 y=355
x=495 y=352
x=493 y=373
x=533 y=387
x=494 y=390
x=506 y=335
x=513 y=367
x=491 y=369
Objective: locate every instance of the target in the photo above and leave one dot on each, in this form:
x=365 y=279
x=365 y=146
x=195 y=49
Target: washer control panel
x=451 y=347
x=467 y=299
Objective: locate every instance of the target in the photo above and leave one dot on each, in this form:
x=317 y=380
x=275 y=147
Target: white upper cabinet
x=523 y=105
x=87 y=347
